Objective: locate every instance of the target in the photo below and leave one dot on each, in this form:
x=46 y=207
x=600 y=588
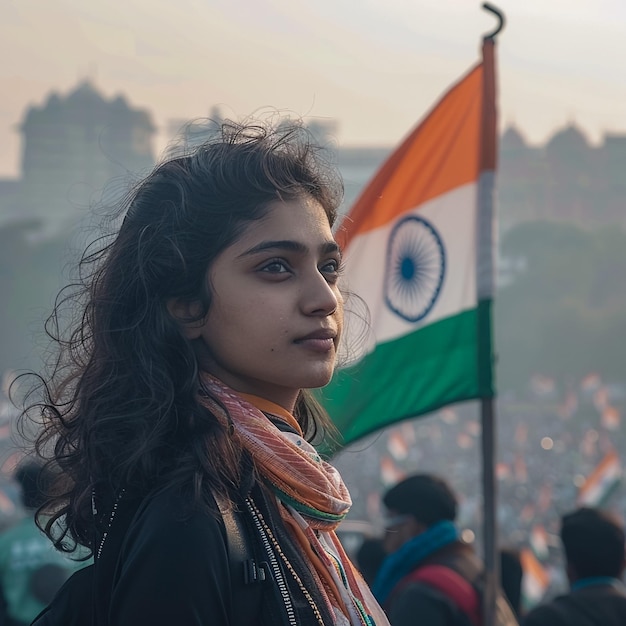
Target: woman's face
x=276 y=312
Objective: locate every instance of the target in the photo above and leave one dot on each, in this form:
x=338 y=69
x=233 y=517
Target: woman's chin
x=321 y=380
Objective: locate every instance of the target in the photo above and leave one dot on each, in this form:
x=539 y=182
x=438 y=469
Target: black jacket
x=601 y=605
x=172 y=566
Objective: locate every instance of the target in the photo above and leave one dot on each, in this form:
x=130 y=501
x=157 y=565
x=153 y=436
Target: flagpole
x=490 y=529
x=486 y=287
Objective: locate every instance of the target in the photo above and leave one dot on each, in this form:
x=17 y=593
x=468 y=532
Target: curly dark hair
x=120 y=406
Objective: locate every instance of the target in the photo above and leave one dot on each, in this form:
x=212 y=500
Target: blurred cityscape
x=560 y=311
x=74 y=146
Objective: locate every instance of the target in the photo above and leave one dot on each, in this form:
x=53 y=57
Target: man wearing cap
x=430 y=577
x=594 y=543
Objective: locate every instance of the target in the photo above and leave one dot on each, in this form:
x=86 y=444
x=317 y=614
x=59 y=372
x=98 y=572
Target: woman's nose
x=320 y=297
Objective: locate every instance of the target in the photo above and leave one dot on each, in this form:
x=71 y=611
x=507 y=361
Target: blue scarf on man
x=404 y=560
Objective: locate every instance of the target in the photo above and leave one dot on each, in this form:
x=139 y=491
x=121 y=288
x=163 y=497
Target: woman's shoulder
x=172 y=509
x=171 y=533
x=179 y=549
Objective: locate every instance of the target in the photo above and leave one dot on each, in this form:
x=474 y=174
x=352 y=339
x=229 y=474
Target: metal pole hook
x=499 y=15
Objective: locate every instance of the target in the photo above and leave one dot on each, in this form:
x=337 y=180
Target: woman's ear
x=185 y=314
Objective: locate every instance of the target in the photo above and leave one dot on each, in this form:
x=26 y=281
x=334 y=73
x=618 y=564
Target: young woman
x=180 y=402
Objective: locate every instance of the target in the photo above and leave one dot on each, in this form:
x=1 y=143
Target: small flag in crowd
x=539 y=541
x=390 y=473
x=535 y=580
x=611 y=418
x=601 y=482
x=397 y=445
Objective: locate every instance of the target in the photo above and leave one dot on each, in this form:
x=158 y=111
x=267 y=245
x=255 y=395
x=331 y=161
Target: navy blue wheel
x=415 y=268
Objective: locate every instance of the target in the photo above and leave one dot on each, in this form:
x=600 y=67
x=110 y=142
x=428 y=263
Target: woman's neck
x=267 y=406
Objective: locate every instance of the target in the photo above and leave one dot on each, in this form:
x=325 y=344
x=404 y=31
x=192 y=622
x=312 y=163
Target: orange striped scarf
x=314 y=496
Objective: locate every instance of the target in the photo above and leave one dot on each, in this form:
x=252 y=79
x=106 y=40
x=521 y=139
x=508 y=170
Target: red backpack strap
x=452 y=585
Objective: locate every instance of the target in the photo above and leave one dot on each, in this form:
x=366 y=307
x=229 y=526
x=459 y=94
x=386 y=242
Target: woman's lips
x=319 y=341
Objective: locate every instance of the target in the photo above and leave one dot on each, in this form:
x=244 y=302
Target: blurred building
x=77 y=146
x=187 y=134
x=357 y=166
x=72 y=147
x=567 y=179
x=184 y=135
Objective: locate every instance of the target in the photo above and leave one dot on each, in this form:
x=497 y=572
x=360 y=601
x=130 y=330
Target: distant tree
x=564 y=313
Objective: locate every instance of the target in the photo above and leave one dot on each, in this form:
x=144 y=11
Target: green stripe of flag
x=415 y=374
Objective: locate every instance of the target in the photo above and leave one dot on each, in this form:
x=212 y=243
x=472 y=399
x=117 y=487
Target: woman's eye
x=331 y=267
x=275 y=267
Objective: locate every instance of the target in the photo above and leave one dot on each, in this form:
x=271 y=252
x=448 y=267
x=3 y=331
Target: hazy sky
x=374 y=65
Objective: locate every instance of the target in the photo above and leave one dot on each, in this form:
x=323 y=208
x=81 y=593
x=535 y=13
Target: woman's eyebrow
x=289 y=245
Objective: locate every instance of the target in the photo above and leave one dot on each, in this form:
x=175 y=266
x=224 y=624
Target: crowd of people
x=544 y=454
x=420 y=569
x=31 y=570
x=423 y=573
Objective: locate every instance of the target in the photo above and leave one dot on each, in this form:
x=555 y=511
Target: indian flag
x=539 y=541
x=601 y=482
x=419 y=247
x=397 y=446
x=535 y=581
x=390 y=473
x=611 y=418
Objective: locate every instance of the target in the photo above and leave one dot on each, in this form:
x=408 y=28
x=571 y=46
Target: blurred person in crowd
x=430 y=576
x=31 y=570
x=511 y=574
x=369 y=557
x=594 y=545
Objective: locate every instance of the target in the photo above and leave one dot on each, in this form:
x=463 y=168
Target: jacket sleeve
x=543 y=615
x=419 y=604
x=173 y=569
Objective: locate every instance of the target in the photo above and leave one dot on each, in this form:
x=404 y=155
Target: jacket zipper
x=273 y=562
